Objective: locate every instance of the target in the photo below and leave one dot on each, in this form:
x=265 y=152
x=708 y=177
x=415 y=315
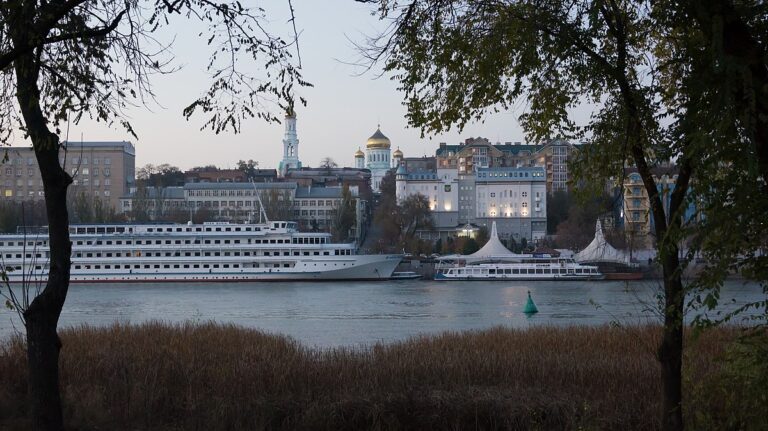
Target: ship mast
x=262 y=213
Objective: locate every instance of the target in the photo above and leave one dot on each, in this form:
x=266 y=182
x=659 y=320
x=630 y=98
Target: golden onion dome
x=359 y=153
x=378 y=141
x=397 y=153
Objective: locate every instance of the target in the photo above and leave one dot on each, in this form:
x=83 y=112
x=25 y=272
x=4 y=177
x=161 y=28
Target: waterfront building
x=355 y=178
x=104 y=170
x=290 y=145
x=155 y=203
x=313 y=208
x=553 y=156
x=477 y=195
x=637 y=219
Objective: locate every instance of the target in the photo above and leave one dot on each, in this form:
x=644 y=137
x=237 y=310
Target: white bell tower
x=290 y=145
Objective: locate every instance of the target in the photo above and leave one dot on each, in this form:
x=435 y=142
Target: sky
x=343 y=110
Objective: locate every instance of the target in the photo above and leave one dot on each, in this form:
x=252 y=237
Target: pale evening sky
x=342 y=112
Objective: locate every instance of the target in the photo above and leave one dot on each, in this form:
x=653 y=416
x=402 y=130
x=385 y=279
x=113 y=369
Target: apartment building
x=104 y=170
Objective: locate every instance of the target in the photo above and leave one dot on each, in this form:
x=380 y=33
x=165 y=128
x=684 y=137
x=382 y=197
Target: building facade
x=155 y=203
x=636 y=214
x=314 y=208
x=354 y=178
x=103 y=170
x=553 y=156
x=477 y=195
x=230 y=176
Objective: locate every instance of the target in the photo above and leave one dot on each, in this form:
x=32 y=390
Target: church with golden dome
x=377 y=158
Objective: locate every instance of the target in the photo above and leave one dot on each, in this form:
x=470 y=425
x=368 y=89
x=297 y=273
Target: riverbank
x=217 y=377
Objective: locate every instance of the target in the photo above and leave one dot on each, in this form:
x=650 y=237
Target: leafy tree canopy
x=671 y=80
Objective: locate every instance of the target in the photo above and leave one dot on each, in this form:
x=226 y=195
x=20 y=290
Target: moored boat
x=495 y=262
x=405 y=275
x=220 y=251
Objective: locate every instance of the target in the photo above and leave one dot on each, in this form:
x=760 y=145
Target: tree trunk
x=42 y=316
x=670 y=352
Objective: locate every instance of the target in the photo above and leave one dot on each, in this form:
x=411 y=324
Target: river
x=330 y=314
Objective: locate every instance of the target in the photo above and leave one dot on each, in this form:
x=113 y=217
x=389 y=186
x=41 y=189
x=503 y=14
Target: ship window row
x=118 y=229
x=99 y=229
x=158 y=266
x=512 y=271
x=206 y=254
x=301 y=240
x=310 y=240
x=21 y=243
x=206 y=229
x=160 y=242
x=197 y=241
x=9 y=268
x=26 y=256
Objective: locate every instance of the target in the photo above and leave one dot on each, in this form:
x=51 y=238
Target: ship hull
x=443 y=277
x=362 y=267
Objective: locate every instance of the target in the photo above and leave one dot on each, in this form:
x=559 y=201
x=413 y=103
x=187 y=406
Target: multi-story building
x=355 y=178
x=513 y=197
x=314 y=208
x=637 y=218
x=238 y=201
x=155 y=203
x=104 y=170
x=553 y=156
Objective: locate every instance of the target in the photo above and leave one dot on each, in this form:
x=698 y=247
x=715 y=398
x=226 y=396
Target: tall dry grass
x=222 y=377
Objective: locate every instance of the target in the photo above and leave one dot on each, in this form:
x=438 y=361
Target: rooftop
x=239 y=186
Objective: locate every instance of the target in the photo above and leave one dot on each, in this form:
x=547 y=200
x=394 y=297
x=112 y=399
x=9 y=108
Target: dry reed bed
x=220 y=377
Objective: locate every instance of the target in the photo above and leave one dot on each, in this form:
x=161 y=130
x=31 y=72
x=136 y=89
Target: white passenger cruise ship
x=275 y=250
x=496 y=262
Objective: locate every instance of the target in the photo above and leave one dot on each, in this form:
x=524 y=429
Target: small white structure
x=493 y=249
x=600 y=251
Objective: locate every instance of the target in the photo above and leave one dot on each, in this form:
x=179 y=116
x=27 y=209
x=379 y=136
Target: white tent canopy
x=600 y=251
x=492 y=250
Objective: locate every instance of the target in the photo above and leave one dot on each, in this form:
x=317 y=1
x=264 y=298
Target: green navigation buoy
x=530 y=307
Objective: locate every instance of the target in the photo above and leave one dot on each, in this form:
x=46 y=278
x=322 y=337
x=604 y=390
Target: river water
x=361 y=313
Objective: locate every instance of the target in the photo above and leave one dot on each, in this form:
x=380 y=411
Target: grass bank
x=222 y=377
